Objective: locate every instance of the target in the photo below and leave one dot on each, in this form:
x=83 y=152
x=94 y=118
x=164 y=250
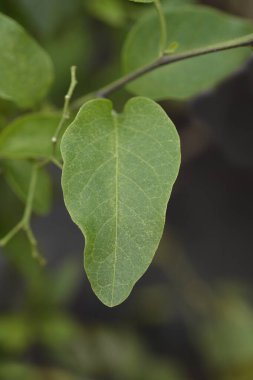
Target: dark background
x=190 y=316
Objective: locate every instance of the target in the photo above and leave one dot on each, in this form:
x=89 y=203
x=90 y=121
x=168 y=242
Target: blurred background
x=191 y=315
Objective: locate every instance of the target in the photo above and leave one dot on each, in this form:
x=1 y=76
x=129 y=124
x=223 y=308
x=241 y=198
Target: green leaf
x=78 y=39
x=25 y=69
x=29 y=137
x=10 y=370
x=118 y=174
x=57 y=14
x=111 y=12
x=18 y=175
x=190 y=28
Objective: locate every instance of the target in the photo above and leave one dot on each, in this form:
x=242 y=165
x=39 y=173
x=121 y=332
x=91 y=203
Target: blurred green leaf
x=7 y=109
x=114 y=353
x=18 y=174
x=11 y=209
x=111 y=12
x=65 y=281
x=78 y=40
x=29 y=136
x=227 y=340
x=190 y=28
x=57 y=331
x=34 y=13
x=20 y=371
x=15 y=334
x=25 y=69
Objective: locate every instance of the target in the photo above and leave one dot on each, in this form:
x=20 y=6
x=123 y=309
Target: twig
x=24 y=223
x=13 y=232
x=163 y=27
x=164 y=61
x=29 y=201
x=56 y=162
x=66 y=109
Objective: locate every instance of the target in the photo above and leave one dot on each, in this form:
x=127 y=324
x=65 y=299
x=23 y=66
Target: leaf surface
x=118 y=174
x=29 y=136
x=25 y=68
x=190 y=27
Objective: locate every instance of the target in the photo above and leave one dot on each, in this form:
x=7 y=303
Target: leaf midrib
x=116 y=153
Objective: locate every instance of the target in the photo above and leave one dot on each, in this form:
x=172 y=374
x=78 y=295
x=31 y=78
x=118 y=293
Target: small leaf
x=190 y=27
x=171 y=48
x=118 y=174
x=29 y=137
x=25 y=69
x=18 y=174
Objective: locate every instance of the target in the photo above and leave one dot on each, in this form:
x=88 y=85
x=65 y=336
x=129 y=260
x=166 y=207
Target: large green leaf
x=191 y=27
x=118 y=174
x=25 y=69
x=18 y=174
x=29 y=136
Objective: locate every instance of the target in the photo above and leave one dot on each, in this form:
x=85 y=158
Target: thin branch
x=29 y=201
x=66 y=108
x=57 y=163
x=10 y=235
x=164 y=61
x=24 y=223
x=34 y=245
x=163 y=27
